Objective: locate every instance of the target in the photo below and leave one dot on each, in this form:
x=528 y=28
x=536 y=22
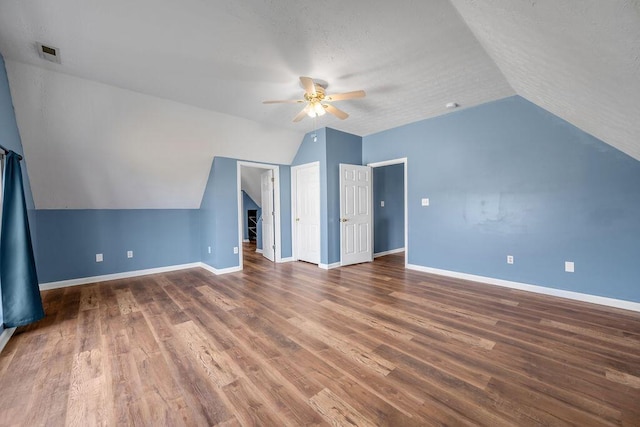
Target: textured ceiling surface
x=411 y=57
x=148 y=76
x=578 y=59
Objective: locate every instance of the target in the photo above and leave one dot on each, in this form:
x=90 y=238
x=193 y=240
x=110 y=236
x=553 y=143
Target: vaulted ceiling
x=149 y=91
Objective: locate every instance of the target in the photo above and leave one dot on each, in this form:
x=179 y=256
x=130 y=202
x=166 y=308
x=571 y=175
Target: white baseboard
x=219 y=271
x=259 y=250
x=577 y=296
x=288 y=259
x=135 y=273
x=389 y=252
x=116 y=276
x=4 y=337
x=329 y=266
x=245 y=240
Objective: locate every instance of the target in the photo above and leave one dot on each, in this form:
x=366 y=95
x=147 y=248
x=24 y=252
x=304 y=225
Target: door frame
x=294 y=188
x=276 y=207
x=402 y=160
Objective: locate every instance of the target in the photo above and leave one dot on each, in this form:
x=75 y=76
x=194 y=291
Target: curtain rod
x=6 y=151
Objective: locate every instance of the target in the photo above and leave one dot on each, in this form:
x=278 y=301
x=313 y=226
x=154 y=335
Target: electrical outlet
x=209 y=249
x=425 y=202
x=509 y=259
x=569 y=266
x=235 y=249
x=129 y=254
x=382 y=203
x=99 y=258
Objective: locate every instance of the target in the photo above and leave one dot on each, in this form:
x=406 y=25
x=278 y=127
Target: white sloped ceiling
x=579 y=59
x=143 y=81
x=95 y=146
x=150 y=91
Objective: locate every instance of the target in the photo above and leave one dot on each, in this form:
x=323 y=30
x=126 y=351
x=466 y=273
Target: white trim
x=135 y=273
x=4 y=337
x=288 y=259
x=389 y=252
x=329 y=266
x=594 y=299
x=245 y=240
x=115 y=276
x=259 y=250
x=220 y=271
x=402 y=160
x=276 y=206
x=294 y=229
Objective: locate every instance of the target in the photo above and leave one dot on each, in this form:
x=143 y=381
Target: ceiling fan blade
x=301 y=114
x=285 y=101
x=308 y=85
x=335 y=111
x=346 y=95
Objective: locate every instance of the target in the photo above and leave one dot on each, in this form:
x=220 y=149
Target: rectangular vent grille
x=49 y=53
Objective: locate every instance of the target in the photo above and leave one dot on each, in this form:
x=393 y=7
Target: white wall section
x=95 y=146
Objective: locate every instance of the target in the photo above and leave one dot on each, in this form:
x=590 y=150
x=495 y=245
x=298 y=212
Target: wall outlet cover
x=425 y=202
x=569 y=267
x=209 y=249
x=99 y=258
x=129 y=254
x=235 y=249
x=382 y=203
x=509 y=259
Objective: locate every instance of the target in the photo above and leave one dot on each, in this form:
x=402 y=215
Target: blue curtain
x=21 y=302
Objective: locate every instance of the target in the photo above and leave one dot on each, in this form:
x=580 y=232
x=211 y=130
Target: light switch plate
x=382 y=203
x=569 y=266
x=99 y=258
x=425 y=202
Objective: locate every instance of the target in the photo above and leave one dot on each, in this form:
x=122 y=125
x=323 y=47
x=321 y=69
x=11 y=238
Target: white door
x=355 y=214
x=307 y=213
x=268 y=245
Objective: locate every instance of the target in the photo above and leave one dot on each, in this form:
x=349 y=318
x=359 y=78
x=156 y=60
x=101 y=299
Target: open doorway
x=259 y=210
x=390 y=227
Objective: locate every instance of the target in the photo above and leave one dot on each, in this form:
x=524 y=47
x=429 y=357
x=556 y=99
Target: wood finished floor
x=293 y=345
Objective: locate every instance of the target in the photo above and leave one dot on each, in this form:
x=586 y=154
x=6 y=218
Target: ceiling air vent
x=49 y=53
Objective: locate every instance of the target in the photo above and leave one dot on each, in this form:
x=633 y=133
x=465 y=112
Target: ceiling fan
x=318 y=101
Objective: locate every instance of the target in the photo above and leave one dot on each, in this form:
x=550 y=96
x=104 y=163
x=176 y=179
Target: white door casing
x=268 y=249
x=402 y=161
x=306 y=212
x=355 y=214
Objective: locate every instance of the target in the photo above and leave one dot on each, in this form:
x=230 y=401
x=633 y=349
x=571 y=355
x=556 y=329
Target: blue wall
x=388 y=221
x=219 y=214
x=330 y=148
x=10 y=139
x=509 y=178
x=70 y=239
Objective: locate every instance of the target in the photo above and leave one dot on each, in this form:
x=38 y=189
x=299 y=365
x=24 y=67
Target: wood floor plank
x=336 y=411
x=291 y=344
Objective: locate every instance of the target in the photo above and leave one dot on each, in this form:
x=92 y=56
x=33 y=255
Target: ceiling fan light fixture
x=315 y=109
x=314 y=96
